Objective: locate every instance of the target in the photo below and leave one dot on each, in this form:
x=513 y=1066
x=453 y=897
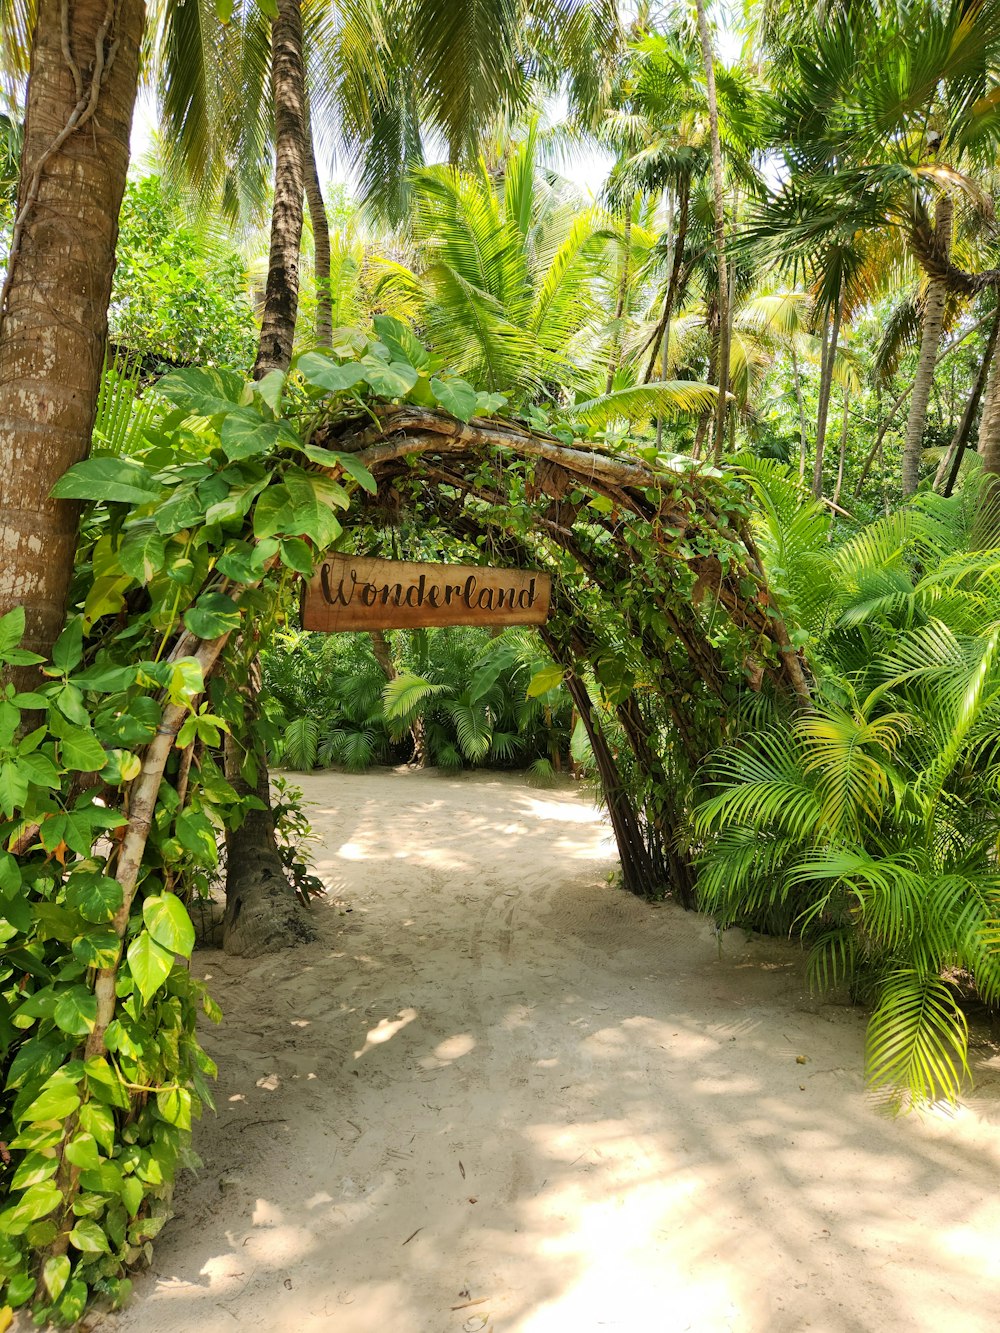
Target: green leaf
x=68 y=648
x=388 y=381
x=167 y=921
x=456 y=397
x=36 y=1202
x=174 y=1105
x=143 y=552
x=82 y=1152
x=79 y=749
x=55 y=1275
x=98 y=1121
x=58 y=1099
x=132 y=1194
x=401 y=341
x=119 y=480
x=327 y=374
x=96 y=897
x=544 y=680
x=99 y=949
x=297 y=555
x=271 y=387
x=245 y=434
x=488 y=403
x=273 y=512
x=122 y=766
x=88 y=1237
x=11 y=629
x=149 y=963
x=76 y=1012
x=203 y=392
x=13 y=789
x=212 y=614
x=224 y=11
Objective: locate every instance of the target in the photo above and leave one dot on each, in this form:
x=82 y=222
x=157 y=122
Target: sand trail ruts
x=501 y=1094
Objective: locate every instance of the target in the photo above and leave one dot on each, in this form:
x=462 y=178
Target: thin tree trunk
x=321 y=242
x=931 y=329
x=638 y=873
x=952 y=460
x=843 y=446
x=987 y=527
x=720 y=230
x=383 y=656
x=825 y=386
x=281 y=296
x=620 y=302
x=661 y=338
x=803 y=433
x=262 y=913
x=54 y=299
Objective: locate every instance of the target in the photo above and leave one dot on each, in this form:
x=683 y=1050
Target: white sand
x=501 y=1085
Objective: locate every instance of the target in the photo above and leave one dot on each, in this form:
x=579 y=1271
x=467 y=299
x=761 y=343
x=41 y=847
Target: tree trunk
x=281 y=296
x=803 y=433
x=54 y=301
x=987 y=527
x=638 y=873
x=622 y=296
x=262 y=913
x=321 y=242
x=720 y=231
x=843 y=446
x=383 y=656
x=963 y=433
x=661 y=338
x=825 y=386
x=931 y=328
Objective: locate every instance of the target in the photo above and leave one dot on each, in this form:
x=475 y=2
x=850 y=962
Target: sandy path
x=496 y=1077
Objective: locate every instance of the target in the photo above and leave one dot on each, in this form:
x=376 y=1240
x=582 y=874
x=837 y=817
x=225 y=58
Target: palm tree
x=880 y=116
x=56 y=288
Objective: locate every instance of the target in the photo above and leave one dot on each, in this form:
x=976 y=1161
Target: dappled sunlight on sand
x=501 y=1090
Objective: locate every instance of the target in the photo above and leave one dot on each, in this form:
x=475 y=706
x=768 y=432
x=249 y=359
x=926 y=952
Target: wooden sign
x=356 y=592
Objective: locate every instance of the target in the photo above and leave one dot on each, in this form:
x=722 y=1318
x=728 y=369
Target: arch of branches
x=663 y=621
x=661 y=607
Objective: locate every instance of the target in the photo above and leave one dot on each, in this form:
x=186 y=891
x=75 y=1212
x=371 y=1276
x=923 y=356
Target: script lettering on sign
x=350 y=592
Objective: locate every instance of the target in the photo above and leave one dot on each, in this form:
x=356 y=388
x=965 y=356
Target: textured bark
x=952 y=461
x=803 y=433
x=620 y=301
x=931 y=328
x=638 y=873
x=720 y=232
x=262 y=913
x=825 y=386
x=842 y=456
x=53 y=308
x=987 y=528
x=321 y=243
x=281 y=295
x=661 y=338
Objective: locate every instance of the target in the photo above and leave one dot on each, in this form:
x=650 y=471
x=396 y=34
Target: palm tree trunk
x=620 y=302
x=321 y=242
x=932 y=326
x=843 y=445
x=720 y=230
x=262 y=914
x=963 y=432
x=825 y=386
x=54 y=300
x=281 y=296
x=987 y=526
x=661 y=338
x=797 y=382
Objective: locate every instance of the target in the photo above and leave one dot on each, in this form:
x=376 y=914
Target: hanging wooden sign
x=351 y=592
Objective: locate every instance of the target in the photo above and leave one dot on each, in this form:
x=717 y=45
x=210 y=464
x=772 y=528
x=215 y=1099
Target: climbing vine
x=113 y=795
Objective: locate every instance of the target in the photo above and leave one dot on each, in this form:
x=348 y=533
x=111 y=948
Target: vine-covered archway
x=191 y=551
